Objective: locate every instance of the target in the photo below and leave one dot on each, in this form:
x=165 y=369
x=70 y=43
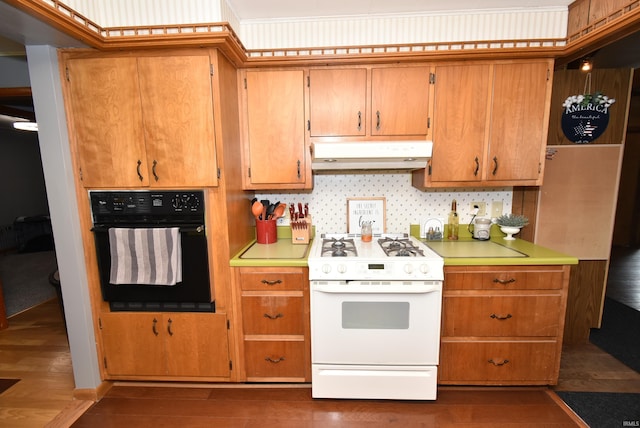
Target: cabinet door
x=460 y=122
x=521 y=94
x=275 y=127
x=107 y=120
x=177 y=102
x=337 y=102
x=400 y=101
x=196 y=344
x=133 y=344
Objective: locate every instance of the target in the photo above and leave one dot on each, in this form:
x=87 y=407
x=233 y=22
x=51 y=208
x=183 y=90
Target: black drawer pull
x=504 y=281
x=153 y=327
x=273 y=317
x=499 y=362
x=273 y=282
x=501 y=317
x=276 y=361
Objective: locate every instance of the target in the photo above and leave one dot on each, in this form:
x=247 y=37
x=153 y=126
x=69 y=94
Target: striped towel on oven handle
x=145 y=256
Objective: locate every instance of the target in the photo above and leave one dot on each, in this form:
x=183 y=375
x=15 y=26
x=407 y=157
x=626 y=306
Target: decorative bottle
x=453 y=222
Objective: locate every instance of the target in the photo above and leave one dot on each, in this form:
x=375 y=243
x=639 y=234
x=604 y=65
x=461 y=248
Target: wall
x=14 y=72
x=22 y=188
x=405 y=205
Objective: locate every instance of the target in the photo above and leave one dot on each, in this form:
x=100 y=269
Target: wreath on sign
x=585 y=117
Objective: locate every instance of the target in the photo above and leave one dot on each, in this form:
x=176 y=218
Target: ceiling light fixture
x=26 y=126
x=585 y=65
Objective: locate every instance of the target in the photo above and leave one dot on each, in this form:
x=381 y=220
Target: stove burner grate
x=403 y=247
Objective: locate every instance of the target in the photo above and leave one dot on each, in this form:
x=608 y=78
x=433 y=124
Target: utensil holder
x=266 y=231
x=301 y=230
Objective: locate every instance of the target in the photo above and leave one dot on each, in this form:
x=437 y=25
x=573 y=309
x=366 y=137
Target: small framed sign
x=366 y=209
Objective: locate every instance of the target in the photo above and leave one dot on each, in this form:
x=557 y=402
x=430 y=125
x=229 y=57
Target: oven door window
x=375 y=315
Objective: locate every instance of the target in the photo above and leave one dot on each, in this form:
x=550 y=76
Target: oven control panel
x=147 y=206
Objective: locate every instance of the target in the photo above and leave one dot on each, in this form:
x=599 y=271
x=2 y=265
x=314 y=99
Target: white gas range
x=375 y=317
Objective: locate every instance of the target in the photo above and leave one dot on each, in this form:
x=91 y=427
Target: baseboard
x=94 y=394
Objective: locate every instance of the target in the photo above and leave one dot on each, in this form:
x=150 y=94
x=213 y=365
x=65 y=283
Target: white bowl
x=510 y=231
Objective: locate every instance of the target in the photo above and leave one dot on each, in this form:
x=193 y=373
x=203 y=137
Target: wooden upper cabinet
x=462 y=97
x=177 y=104
x=337 y=102
x=519 y=122
x=143 y=121
x=107 y=120
x=274 y=115
x=490 y=125
x=400 y=101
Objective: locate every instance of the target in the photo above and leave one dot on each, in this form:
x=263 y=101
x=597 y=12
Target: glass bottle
x=453 y=222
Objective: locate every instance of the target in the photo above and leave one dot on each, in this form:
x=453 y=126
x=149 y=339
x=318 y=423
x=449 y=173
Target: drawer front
x=275 y=359
x=272 y=281
x=532 y=278
x=273 y=314
x=501 y=315
x=492 y=363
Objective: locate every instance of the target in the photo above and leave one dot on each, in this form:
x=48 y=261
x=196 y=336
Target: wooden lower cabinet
x=275 y=323
x=502 y=325
x=167 y=345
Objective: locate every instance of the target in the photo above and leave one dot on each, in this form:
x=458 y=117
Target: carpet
x=25 y=279
x=604 y=409
x=619 y=334
x=7 y=383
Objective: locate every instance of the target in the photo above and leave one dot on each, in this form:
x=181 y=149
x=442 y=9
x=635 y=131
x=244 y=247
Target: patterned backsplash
x=405 y=205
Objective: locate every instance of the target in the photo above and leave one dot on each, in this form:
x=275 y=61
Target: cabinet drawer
x=273 y=314
x=516 y=278
x=495 y=363
x=501 y=315
x=253 y=279
x=274 y=359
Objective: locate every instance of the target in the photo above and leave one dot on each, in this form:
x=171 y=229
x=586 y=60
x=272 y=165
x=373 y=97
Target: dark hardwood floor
x=623 y=284
x=34 y=349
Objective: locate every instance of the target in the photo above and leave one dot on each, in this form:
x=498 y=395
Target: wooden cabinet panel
x=177 y=102
x=107 y=121
x=274 y=302
x=277 y=360
x=460 y=122
x=400 y=101
x=502 y=325
x=519 y=121
x=275 y=152
x=270 y=279
x=337 y=102
x=143 y=121
x=501 y=278
x=496 y=363
x=272 y=314
x=166 y=345
x=519 y=315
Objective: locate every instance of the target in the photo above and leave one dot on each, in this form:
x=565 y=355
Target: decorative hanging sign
x=586 y=117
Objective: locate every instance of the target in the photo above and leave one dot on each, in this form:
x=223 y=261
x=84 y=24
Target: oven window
x=375 y=315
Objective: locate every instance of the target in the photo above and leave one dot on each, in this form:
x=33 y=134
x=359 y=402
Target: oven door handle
x=101 y=228
x=365 y=287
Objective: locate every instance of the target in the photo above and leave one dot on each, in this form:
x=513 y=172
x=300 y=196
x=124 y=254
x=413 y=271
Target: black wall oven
x=152 y=219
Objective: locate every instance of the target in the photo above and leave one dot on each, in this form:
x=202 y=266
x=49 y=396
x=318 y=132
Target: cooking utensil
x=256 y=209
x=279 y=211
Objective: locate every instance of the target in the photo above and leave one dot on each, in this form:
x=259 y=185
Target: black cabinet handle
x=153 y=327
x=501 y=317
x=169 y=322
x=138 y=170
x=377 y=120
x=499 y=362
x=359 y=121
x=275 y=361
x=495 y=165
x=273 y=317
x=153 y=170
x=273 y=282
x=475 y=172
x=504 y=281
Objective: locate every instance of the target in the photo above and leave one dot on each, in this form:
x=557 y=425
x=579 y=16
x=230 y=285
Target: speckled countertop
x=495 y=252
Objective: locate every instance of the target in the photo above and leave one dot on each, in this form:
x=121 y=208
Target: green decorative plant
x=512 y=220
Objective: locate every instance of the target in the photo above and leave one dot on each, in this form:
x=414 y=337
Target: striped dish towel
x=145 y=256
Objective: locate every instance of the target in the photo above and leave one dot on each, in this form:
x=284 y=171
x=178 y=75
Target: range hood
x=370 y=155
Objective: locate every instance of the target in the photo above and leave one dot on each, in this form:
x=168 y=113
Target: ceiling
x=18 y=29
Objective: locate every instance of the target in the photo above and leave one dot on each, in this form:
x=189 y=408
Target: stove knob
x=342 y=268
x=424 y=268
x=326 y=268
x=408 y=269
